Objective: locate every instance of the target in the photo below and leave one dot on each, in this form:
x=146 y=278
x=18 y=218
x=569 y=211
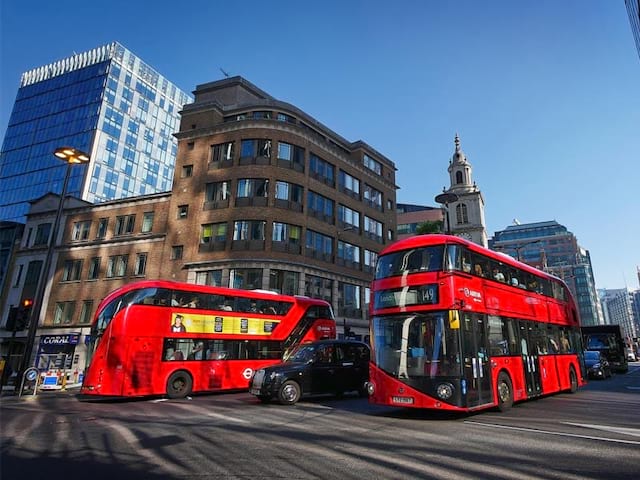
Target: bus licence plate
x=403 y=400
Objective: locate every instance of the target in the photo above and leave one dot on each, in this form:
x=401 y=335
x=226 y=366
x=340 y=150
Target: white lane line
x=634 y=432
x=559 y=434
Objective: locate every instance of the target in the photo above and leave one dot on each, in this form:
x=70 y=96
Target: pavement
x=10 y=392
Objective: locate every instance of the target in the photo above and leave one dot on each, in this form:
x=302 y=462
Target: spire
x=457 y=142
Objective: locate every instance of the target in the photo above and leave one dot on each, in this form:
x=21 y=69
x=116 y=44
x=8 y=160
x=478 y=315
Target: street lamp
x=72 y=156
x=445 y=198
x=518 y=248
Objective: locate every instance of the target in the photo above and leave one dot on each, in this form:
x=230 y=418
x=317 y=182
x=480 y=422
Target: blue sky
x=545 y=95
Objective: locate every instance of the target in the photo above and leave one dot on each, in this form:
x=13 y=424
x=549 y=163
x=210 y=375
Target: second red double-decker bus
x=169 y=338
x=456 y=326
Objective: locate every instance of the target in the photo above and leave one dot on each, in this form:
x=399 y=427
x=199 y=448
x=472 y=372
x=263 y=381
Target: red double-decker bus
x=455 y=326
x=169 y=338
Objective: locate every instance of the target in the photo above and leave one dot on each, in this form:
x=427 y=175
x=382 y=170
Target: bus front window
x=416 y=346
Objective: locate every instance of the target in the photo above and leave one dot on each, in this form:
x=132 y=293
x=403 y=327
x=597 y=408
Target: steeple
x=460 y=171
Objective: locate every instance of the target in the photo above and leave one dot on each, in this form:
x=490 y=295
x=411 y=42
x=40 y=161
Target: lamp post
x=72 y=156
x=445 y=198
x=518 y=248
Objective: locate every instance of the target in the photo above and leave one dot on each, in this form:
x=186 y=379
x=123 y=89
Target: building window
x=349 y=300
x=372 y=164
x=289 y=191
x=461 y=213
x=348 y=252
x=18 y=275
x=370 y=259
x=117 y=266
x=373 y=197
x=64 y=313
x=42 y=234
x=348 y=217
x=283 y=232
x=214 y=232
x=319 y=244
x=86 y=312
x=187 y=171
x=245 y=278
x=458 y=177
x=103 y=223
x=248 y=230
x=373 y=229
x=318 y=287
x=222 y=153
x=349 y=184
x=251 y=148
x=321 y=170
x=284 y=282
x=94 y=268
x=176 y=252
x=191 y=145
x=252 y=187
x=125 y=224
x=292 y=154
x=217 y=192
x=320 y=206
x=141 y=264
x=71 y=270
x=183 y=211
x=209 y=277
x=81 y=230
x=147 y=222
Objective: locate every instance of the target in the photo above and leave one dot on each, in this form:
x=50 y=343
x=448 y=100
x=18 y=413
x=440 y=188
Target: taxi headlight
x=444 y=391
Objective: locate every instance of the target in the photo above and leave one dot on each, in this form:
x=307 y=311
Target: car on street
x=597 y=365
x=631 y=355
x=324 y=366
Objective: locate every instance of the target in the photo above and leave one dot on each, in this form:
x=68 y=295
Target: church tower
x=466 y=214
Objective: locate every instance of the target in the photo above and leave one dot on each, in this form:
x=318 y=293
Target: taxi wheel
x=289 y=393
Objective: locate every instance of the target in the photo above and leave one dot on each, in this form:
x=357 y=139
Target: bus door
x=477 y=367
x=530 y=360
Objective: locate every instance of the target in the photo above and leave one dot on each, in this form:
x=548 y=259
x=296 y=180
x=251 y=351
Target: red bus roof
x=440 y=239
x=192 y=287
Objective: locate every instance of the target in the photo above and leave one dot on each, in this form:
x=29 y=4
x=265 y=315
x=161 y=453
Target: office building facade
x=106 y=102
x=549 y=246
x=264 y=197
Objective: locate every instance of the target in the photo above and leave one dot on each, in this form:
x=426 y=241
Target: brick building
x=264 y=197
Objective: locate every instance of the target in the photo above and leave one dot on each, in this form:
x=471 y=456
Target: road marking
x=635 y=432
x=560 y=434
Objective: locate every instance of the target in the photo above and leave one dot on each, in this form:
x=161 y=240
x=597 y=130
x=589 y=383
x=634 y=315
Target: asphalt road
x=593 y=434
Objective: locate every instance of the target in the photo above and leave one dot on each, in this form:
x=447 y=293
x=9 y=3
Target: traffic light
x=22 y=318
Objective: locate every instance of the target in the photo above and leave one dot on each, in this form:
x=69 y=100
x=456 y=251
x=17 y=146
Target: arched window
x=461 y=213
x=459 y=177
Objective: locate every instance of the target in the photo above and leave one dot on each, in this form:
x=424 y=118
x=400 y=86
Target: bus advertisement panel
x=459 y=327
x=169 y=338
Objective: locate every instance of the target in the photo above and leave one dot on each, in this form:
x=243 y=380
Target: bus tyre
x=179 y=385
x=289 y=393
x=505 y=392
x=573 y=381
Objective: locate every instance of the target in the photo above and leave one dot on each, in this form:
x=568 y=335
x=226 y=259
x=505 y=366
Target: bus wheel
x=179 y=385
x=289 y=393
x=573 y=381
x=505 y=392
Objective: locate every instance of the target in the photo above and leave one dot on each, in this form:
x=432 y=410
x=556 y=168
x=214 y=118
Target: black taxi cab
x=324 y=366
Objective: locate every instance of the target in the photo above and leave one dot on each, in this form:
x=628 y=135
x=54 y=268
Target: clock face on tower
x=465 y=235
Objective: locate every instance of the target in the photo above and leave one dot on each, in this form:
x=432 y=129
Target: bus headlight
x=444 y=391
x=370 y=388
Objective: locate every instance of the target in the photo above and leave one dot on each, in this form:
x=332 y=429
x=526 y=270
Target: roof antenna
x=224 y=73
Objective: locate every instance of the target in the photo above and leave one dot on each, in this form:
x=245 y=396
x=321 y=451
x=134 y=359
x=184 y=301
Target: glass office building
x=106 y=102
x=549 y=246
